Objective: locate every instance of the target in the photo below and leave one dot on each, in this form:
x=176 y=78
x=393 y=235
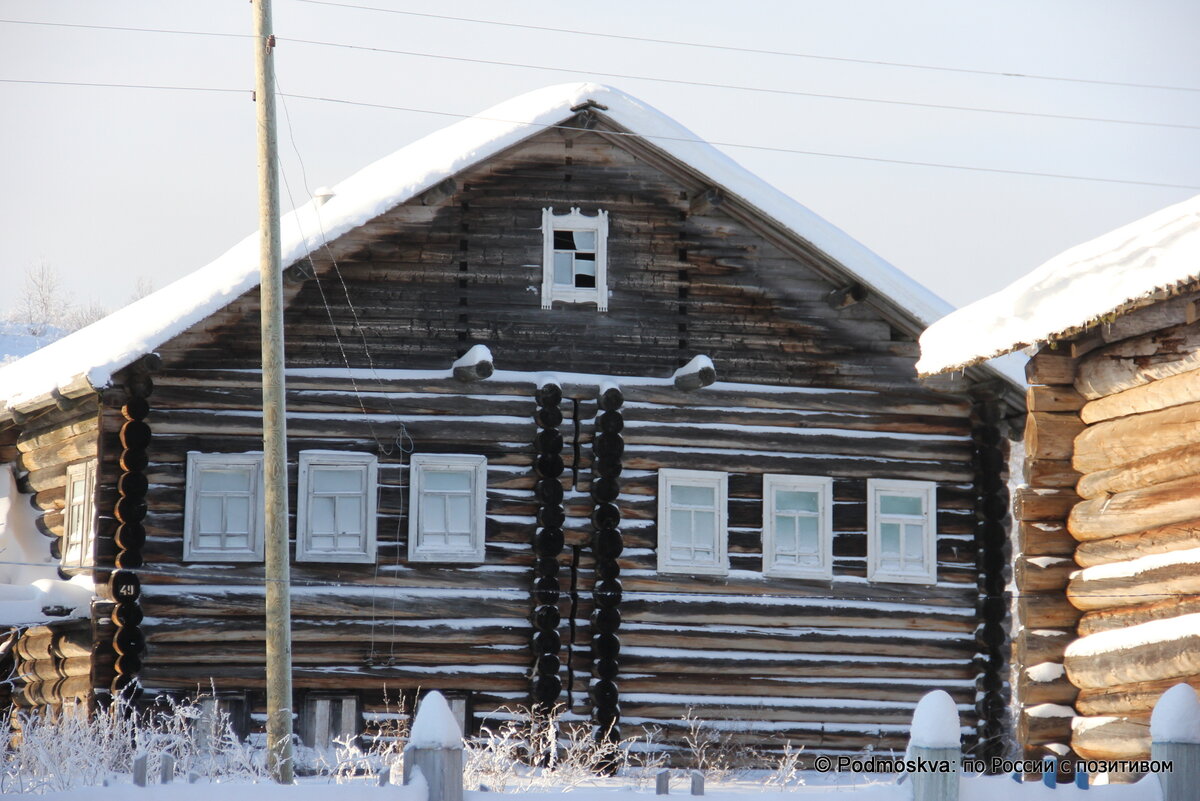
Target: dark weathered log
x=1032 y=646
x=1053 y=399
x=1045 y=683
x=1043 y=573
x=1051 y=435
x=1164 y=539
x=1123 y=440
x=1045 y=539
x=1045 y=723
x=1157 y=468
x=1046 y=611
x=1138 y=361
x=1136 y=510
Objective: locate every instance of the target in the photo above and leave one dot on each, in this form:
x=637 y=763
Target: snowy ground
x=16 y=341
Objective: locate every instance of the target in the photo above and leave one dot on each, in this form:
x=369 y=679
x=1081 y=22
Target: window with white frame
x=223 y=518
x=798 y=526
x=901 y=537
x=79 y=525
x=575 y=258
x=447 y=504
x=330 y=720
x=335 y=515
x=693 y=522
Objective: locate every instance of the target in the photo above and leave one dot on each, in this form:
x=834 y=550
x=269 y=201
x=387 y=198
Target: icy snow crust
x=1073 y=290
x=106 y=346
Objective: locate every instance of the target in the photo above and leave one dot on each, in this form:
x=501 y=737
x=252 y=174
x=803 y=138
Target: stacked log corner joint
x=130 y=512
x=548 y=540
x=608 y=447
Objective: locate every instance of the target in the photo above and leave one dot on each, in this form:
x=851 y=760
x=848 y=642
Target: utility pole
x=278 y=600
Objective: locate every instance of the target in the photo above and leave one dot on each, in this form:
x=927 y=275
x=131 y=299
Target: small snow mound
x=1176 y=716
x=477 y=354
x=435 y=726
x=935 y=722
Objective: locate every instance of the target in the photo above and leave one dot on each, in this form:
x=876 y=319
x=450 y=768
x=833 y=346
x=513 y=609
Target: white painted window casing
x=575 y=258
x=336 y=507
x=693 y=522
x=798 y=526
x=447 y=508
x=79 y=513
x=223 y=516
x=901 y=531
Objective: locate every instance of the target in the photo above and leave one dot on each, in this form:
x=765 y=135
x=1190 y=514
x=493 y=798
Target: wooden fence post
x=935 y=741
x=435 y=749
x=662 y=782
x=166 y=769
x=139 y=770
x=1175 y=737
x=697 y=783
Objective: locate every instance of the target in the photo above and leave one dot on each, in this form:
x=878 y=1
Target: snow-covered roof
x=1072 y=291
x=88 y=358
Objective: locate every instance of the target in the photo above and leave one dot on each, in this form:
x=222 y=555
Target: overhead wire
x=759 y=51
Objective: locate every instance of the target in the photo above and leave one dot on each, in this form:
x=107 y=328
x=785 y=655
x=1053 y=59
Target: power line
x=736 y=49
x=742 y=88
x=630 y=77
x=126 y=85
x=766 y=148
x=648 y=137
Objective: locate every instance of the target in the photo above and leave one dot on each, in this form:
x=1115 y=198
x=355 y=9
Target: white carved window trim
x=367 y=466
x=421 y=465
x=79 y=516
x=197 y=465
x=921 y=571
x=574 y=220
x=823 y=488
x=718 y=564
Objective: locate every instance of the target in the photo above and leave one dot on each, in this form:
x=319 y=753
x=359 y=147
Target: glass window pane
x=321 y=515
x=322 y=544
x=239 y=542
x=209 y=541
x=433 y=513
x=914 y=543
x=901 y=505
x=585 y=240
x=785 y=534
x=683 y=495
x=349 y=514
x=809 y=536
x=585 y=267
x=564 y=240
x=458 y=513
x=796 y=501
x=448 y=480
x=889 y=539
x=237 y=515
x=230 y=479
x=326 y=479
x=212 y=514
x=681 y=527
x=564 y=268
x=704 y=530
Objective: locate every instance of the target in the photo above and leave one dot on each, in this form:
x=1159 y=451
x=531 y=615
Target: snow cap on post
x=935 y=722
x=1176 y=716
x=435 y=726
x=474 y=365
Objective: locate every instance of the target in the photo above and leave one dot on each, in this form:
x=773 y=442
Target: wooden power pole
x=278 y=600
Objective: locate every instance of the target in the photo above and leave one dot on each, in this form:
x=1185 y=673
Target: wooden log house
x=691 y=468
x=1108 y=521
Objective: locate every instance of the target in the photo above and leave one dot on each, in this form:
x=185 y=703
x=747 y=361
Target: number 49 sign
x=124 y=586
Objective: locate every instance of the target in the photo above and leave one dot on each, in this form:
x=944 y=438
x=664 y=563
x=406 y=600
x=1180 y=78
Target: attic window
x=574 y=258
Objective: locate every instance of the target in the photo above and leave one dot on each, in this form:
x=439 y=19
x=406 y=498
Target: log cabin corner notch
x=1108 y=521
x=518 y=535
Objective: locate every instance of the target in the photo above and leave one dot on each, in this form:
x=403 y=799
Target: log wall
x=807 y=389
x=1111 y=525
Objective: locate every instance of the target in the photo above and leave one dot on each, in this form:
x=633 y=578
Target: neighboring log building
x=1108 y=550
x=796 y=552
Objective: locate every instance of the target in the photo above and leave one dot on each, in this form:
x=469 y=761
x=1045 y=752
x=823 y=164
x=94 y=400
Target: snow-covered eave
x=93 y=354
x=929 y=368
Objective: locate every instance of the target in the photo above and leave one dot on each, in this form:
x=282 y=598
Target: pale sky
x=109 y=185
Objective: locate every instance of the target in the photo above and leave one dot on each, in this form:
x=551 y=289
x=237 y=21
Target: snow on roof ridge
x=1072 y=291
x=114 y=342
